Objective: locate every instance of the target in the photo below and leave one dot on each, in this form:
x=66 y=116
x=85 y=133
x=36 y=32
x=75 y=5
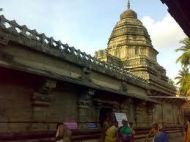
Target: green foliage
x=184 y=59
x=184 y=74
x=184 y=81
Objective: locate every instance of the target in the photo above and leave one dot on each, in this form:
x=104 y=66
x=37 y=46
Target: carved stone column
x=98 y=109
x=128 y=108
x=125 y=107
x=116 y=107
x=84 y=108
x=41 y=100
x=140 y=113
x=149 y=108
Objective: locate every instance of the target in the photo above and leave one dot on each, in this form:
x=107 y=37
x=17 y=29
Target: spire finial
x=128 y=5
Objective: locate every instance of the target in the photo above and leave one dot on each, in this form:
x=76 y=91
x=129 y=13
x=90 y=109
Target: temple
x=44 y=81
x=130 y=47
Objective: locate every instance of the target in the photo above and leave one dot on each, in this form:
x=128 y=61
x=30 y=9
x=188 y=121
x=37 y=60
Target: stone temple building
x=43 y=82
x=130 y=47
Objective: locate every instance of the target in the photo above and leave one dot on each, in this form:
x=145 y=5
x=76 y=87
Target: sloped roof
x=179 y=10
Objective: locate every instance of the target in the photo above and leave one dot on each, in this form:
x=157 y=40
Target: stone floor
x=176 y=138
x=172 y=138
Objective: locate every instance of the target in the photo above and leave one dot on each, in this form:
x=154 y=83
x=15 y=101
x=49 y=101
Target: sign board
x=71 y=125
x=91 y=125
x=119 y=117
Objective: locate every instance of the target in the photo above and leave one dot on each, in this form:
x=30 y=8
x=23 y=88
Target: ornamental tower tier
x=130 y=47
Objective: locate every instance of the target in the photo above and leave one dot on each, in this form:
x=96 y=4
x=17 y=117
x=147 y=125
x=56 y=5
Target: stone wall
x=27 y=104
x=44 y=81
x=15 y=106
x=168 y=113
x=31 y=102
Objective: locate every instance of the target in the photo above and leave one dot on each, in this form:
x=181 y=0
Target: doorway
x=104 y=114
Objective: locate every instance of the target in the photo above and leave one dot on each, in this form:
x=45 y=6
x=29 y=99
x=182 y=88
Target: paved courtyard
x=172 y=138
x=178 y=138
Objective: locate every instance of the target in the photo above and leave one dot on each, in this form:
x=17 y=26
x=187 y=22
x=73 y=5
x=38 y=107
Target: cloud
x=71 y=22
x=165 y=35
x=83 y=24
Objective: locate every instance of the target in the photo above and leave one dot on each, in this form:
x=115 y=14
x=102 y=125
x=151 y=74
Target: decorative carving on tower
x=131 y=45
x=128 y=4
x=104 y=56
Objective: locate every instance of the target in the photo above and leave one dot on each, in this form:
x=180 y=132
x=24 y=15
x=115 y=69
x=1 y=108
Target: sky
x=87 y=24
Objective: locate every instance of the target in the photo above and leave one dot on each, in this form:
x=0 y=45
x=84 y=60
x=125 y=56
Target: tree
x=184 y=59
x=184 y=81
x=184 y=75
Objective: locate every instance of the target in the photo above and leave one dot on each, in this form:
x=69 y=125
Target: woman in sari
x=106 y=125
x=111 y=133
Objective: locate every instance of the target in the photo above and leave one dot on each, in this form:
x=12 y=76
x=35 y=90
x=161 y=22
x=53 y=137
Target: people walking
x=125 y=132
x=111 y=133
x=105 y=126
x=161 y=135
x=63 y=134
x=152 y=132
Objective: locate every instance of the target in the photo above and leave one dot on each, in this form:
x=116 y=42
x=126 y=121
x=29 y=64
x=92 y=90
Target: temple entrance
x=105 y=113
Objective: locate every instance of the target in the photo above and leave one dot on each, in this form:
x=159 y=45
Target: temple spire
x=128 y=5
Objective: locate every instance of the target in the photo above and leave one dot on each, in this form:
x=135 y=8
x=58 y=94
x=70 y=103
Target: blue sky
x=87 y=24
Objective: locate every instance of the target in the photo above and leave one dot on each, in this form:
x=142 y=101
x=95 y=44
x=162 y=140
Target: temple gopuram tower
x=130 y=47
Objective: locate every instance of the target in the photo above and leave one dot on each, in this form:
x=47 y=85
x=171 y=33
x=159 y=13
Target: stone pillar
x=149 y=108
x=116 y=107
x=41 y=100
x=98 y=109
x=84 y=108
x=127 y=107
x=140 y=114
x=131 y=111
